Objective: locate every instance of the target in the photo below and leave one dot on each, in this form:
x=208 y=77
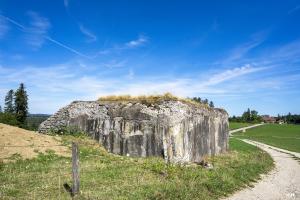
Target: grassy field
x=108 y=176
x=236 y=125
x=285 y=136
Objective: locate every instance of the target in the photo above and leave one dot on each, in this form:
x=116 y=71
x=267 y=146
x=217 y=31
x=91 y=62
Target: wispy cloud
x=130 y=74
x=141 y=40
x=215 y=25
x=38 y=29
x=37 y=24
x=37 y=33
x=117 y=48
x=62 y=83
x=295 y=9
x=241 y=50
x=91 y=37
x=66 y=3
x=289 y=51
x=3 y=27
x=232 y=73
x=115 y=63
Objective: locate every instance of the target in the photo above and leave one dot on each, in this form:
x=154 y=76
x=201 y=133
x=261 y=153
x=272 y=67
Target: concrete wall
x=174 y=130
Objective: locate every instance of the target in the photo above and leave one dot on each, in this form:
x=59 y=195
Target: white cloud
x=141 y=40
x=3 y=27
x=117 y=48
x=64 y=83
x=38 y=29
x=232 y=73
x=91 y=37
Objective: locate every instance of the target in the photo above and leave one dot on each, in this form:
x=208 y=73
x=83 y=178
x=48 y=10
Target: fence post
x=75 y=169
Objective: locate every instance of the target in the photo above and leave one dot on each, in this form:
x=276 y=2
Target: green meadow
x=285 y=136
x=237 y=125
x=107 y=176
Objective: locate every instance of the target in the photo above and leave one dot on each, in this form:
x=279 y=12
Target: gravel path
x=282 y=183
x=244 y=128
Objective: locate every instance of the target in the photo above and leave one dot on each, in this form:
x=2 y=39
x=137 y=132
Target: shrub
x=8 y=118
x=67 y=130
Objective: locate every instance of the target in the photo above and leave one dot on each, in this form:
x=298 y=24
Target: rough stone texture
x=177 y=131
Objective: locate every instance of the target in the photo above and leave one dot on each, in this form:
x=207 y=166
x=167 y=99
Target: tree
x=197 y=99
x=247 y=115
x=21 y=104
x=254 y=115
x=205 y=101
x=9 y=102
x=211 y=104
x=8 y=118
x=289 y=117
x=0 y=109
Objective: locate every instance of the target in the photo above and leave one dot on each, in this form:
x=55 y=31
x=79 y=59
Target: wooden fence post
x=75 y=169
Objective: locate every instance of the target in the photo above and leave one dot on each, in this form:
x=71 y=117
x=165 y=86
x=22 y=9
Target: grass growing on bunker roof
x=150 y=99
x=108 y=176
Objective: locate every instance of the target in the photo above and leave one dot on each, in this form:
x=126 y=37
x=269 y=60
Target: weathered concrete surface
x=177 y=131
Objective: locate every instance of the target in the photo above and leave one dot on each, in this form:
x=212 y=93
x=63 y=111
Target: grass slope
x=285 y=136
x=108 y=176
x=236 y=125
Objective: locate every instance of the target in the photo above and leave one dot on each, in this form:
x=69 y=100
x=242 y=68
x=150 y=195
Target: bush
x=8 y=118
x=67 y=130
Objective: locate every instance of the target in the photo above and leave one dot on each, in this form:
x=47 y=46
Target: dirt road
x=282 y=183
x=244 y=128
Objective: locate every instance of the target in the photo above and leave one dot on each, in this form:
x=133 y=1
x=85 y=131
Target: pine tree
x=21 y=104
x=211 y=104
x=9 y=102
x=0 y=109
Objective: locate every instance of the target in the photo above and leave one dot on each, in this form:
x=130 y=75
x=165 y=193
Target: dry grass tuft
x=150 y=99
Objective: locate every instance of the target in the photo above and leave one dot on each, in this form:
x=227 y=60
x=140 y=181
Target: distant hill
x=34 y=120
x=39 y=115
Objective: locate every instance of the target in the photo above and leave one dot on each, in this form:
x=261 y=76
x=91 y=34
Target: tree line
x=203 y=101
x=15 y=107
x=250 y=116
x=289 y=118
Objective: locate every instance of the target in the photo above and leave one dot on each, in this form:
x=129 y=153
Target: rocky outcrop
x=175 y=130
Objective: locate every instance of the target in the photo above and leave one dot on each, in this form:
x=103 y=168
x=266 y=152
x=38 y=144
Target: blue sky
x=238 y=54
